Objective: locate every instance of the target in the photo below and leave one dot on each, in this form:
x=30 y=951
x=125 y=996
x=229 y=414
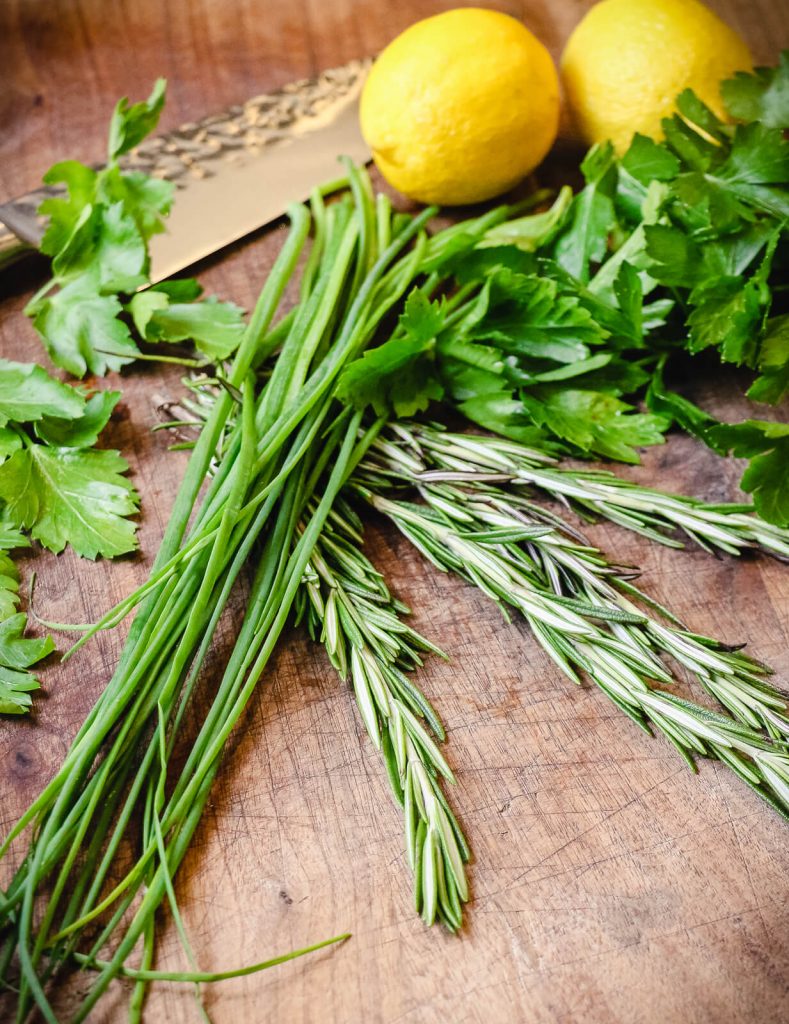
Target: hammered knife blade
x=234 y=171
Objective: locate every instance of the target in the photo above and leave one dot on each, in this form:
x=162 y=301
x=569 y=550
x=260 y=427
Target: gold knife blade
x=235 y=171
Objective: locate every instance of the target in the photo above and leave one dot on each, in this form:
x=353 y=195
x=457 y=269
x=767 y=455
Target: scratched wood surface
x=610 y=885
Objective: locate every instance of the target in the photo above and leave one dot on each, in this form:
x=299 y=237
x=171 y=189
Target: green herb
x=762 y=95
x=563 y=320
x=160 y=314
x=539 y=327
x=589 y=617
x=766 y=444
x=17 y=654
x=98 y=240
x=50 y=473
x=287 y=448
x=349 y=608
x=660 y=516
x=9 y=576
x=520 y=356
x=399 y=375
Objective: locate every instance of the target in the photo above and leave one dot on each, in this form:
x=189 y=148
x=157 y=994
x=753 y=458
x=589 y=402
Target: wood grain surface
x=610 y=885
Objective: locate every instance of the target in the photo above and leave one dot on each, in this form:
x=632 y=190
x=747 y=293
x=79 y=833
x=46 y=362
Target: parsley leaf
x=63 y=214
x=17 y=654
x=130 y=124
x=70 y=496
x=760 y=95
x=10 y=538
x=52 y=481
x=98 y=240
x=400 y=374
x=728 y=314
x=215 y=327
x=530 y=317
x=766 y=445
x=81 y=329
x=647 y=160
x=595 y=422
x=81 y=431
x=773 y=362
x=592 y=216
x=28 y=393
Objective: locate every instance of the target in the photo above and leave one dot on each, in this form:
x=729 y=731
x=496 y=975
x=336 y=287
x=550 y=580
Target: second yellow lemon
x=627 y=61
x=460 y=107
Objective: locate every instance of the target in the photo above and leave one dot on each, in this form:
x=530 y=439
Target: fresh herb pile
x=287 y=448
x=570 y=317
x=535 y=325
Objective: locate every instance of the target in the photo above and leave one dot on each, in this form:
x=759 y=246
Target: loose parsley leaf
x=121 y=254
x=400 y=374
x=81 y=329
x=28 y=393
x=10 y=441
x=63 y=214
x=130 y=124
x=52 y=481
x=98 y=239
x=595 y=422
x=10 y=539
x=70 y=496
x=215 y=327
x=17 y=654
x=82 y=431
x=766 y=444
x=148 y=200
x=760 y=95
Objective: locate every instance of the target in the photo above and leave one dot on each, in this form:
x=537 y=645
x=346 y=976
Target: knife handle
x=11 y=247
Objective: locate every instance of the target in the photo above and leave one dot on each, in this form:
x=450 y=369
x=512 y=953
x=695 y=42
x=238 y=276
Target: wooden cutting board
x=610 y=886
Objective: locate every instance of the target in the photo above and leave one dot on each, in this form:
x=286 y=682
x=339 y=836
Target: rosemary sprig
x=349 y=609
x=655 y=514
x=575 y=604
x=733 y=678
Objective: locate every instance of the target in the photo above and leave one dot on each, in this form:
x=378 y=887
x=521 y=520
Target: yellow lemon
x=627 y=60
x=460 y=107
